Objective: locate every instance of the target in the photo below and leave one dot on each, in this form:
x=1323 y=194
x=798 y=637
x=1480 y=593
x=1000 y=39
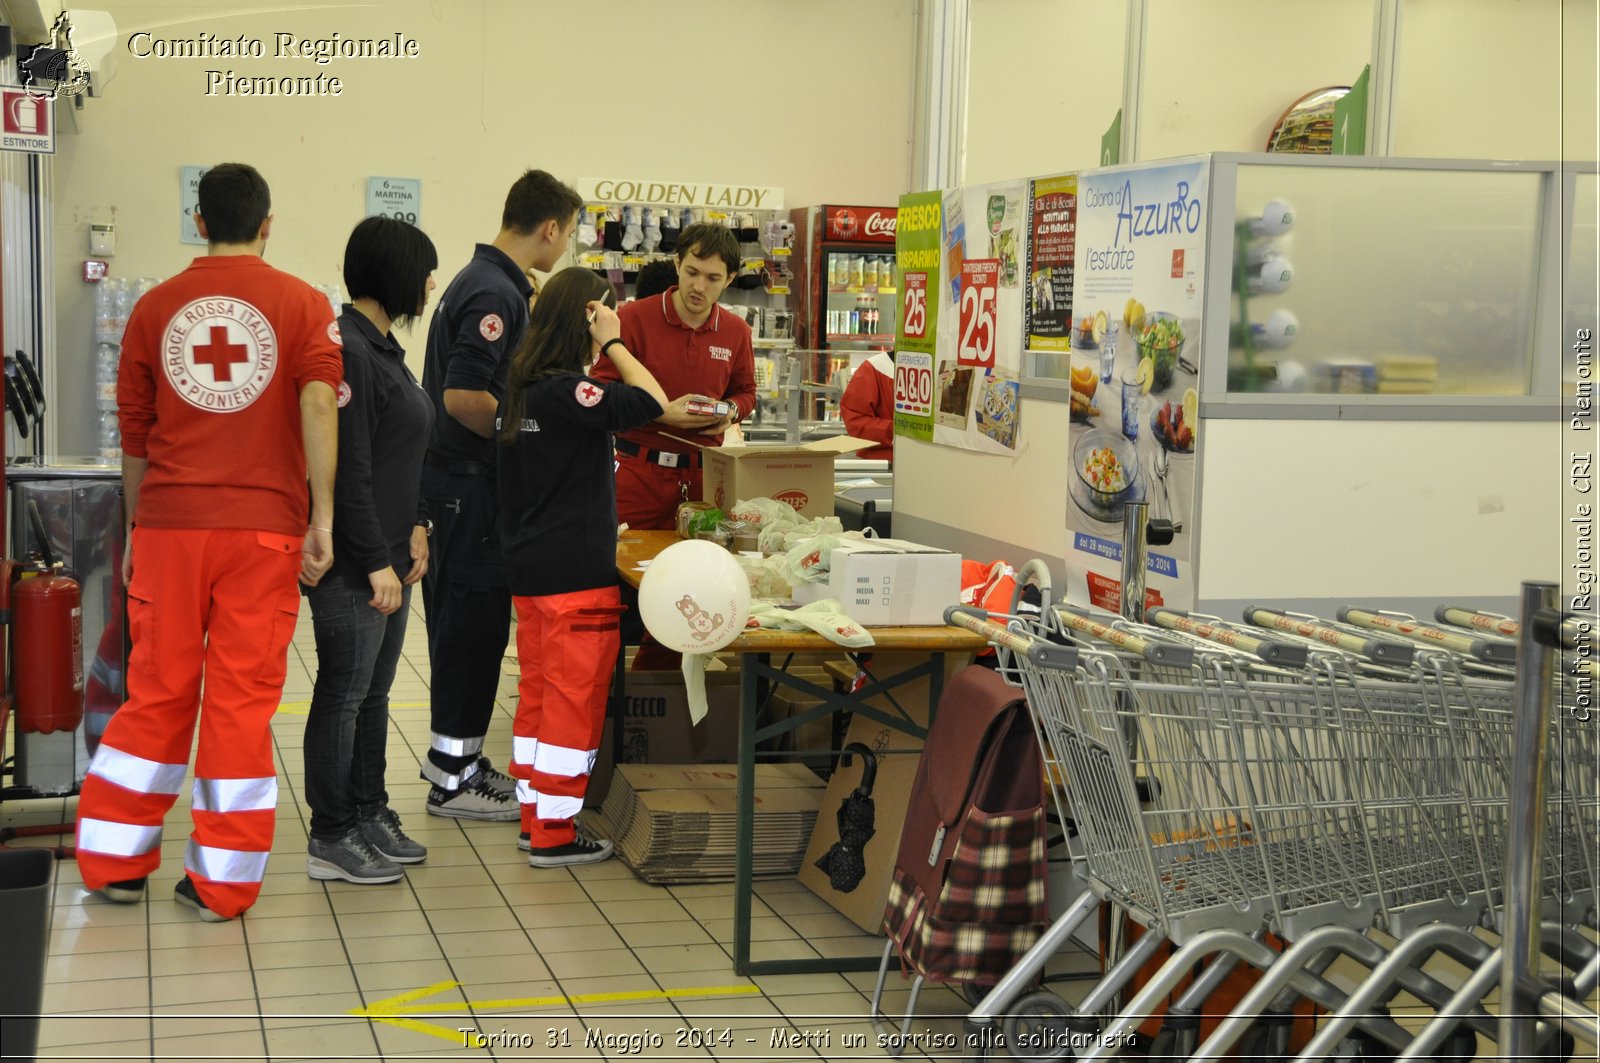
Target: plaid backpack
x=968 y=896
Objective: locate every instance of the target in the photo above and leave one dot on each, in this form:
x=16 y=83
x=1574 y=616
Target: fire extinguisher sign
x=28 y=122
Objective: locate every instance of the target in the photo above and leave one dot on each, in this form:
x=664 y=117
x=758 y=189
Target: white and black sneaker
x=498 y=779
x=131 y=890
x=351 y=858
x=579 y=850
x=478 y=799
x=383 y=833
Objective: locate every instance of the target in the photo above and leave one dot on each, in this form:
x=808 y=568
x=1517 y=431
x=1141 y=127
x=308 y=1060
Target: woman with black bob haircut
x=380 y=550
x=558 y=528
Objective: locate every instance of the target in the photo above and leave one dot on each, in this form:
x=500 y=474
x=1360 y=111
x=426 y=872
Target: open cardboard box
x=801 y=476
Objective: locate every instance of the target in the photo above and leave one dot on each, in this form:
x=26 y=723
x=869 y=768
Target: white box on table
x=882 y=582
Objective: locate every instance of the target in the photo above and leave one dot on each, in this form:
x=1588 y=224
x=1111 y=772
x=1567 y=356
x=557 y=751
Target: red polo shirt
x=208 y=390
x=715 y=359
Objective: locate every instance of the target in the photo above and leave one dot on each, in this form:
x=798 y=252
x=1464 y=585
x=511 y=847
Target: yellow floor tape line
x=395 y=1010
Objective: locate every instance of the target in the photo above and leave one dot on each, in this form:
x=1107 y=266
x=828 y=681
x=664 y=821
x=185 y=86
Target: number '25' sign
x=980 y=279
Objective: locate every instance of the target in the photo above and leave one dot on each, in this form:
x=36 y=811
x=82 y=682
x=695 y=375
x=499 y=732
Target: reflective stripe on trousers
x=235 y=795
x=117 y=839
x=136 y=773
x=225 y=865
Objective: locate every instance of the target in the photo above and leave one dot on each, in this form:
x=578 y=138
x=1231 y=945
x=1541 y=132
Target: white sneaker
x=478 y=799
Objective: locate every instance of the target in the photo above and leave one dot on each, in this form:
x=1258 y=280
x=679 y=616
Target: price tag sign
x=394 y=197
x=913 y=382
x=914 y=306
x=980 y=292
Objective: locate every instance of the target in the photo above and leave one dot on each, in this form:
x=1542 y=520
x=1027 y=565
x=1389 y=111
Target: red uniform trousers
x=210 y=610
x=648 y=494
x=567 y=647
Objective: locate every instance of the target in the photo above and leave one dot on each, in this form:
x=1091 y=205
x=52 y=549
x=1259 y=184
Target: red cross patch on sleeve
x=491 y=327
x=344 y=393
x=589 y=395
x=333 y=332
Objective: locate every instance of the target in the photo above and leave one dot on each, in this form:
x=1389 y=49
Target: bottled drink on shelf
x=110 y=435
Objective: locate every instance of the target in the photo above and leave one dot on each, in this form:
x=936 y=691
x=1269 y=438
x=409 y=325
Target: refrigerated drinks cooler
x=844 y=296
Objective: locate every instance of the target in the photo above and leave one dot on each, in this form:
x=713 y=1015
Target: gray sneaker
x=351 y=858
x=478 y=799
x=498 y=779
x=383 y=833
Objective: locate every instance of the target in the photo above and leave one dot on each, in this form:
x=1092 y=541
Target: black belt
x=459 y=468
x=671 y=459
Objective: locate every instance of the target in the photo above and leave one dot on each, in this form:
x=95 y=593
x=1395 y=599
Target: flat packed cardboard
x=678 y=822
x=889 y=582
x=802 y=476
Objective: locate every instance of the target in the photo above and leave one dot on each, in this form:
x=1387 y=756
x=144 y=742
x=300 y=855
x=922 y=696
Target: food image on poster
x=955 y=394
x=955 y=241
x=1003 y=216
x=1052 y=252
x=999 y=408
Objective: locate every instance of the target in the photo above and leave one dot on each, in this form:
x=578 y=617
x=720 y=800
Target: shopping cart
x=1197 y=809
x=1315 y=802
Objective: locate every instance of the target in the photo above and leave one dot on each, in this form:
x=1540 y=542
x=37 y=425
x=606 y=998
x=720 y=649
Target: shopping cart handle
x=1381 y=651
x=1272 y=651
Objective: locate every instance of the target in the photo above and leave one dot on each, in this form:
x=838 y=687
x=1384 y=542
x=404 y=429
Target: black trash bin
x=25 y=904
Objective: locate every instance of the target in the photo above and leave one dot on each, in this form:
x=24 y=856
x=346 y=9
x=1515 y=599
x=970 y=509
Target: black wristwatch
x=427 y=526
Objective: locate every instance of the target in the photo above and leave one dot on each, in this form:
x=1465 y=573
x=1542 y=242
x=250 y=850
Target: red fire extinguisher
x=47 y=644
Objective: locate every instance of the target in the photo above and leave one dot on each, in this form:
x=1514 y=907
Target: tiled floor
x=582 y=963
x=473 y=955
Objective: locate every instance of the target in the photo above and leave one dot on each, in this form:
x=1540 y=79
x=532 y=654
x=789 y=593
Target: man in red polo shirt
x=227 y=404
x=693 y=348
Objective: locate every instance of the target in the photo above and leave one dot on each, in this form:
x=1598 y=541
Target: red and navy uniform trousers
x=567 y=647
x=211 y=614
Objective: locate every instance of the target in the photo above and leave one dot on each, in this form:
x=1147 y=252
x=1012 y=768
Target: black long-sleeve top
x=384 y=422
x=557 y=485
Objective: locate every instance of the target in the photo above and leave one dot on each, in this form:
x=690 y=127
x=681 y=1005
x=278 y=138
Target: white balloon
x=694 y=597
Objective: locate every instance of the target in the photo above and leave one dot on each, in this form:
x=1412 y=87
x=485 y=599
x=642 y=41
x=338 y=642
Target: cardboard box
x=889 y=581
x=802 y=476
x=656 y=727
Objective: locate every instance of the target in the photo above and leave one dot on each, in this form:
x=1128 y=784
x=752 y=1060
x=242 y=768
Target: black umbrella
x=844 y=863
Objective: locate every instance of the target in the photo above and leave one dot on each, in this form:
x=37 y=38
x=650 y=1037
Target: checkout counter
x=863 y=488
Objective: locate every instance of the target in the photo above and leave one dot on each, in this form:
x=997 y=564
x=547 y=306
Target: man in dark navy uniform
x=476 y=328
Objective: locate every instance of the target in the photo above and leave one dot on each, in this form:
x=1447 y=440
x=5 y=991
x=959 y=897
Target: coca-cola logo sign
x=862 y=224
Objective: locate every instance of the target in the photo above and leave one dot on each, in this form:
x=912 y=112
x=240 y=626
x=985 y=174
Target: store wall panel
x=1021 y=501
x=1483 y=79
x=1044 y=84
x=814 y=98
x=1217 y=75
x=1378 y=510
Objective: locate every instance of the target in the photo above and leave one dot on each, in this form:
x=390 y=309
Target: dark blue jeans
x=347 y=726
